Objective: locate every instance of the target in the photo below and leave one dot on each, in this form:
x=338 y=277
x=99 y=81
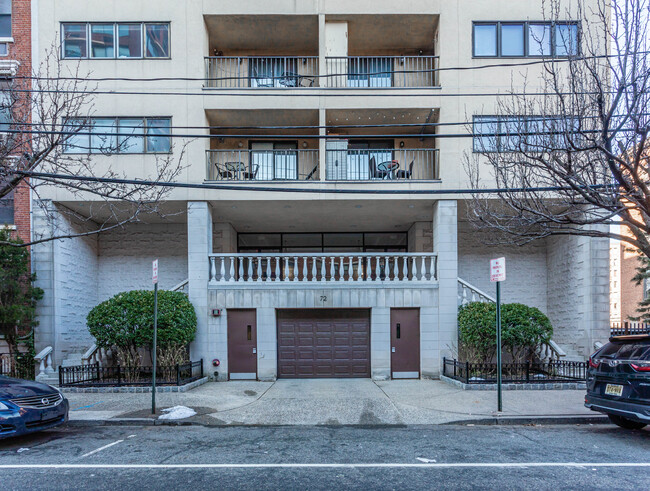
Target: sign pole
x=497 y=275
x=499 y=399
x=155 y=336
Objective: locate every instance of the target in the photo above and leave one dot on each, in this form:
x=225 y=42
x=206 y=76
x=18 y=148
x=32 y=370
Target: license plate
x=614 y=390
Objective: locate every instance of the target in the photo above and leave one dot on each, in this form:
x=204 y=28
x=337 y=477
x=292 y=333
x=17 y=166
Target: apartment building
x=15 y=61
x=325 y=236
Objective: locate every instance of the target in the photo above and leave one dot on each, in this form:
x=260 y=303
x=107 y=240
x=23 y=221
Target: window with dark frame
x=119 y=135
x=511 y=39
x=322 y=242
x=122 y=40
x=7 y=209
x=5 y=19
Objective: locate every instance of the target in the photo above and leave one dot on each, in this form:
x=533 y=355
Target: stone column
x=199 y=245
x=380 y=343
x=445 y=243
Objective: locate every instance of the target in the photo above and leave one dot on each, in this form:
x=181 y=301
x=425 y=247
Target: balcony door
x=274 y=160
x=370 y=72
x=360 y=154
x=273 y=72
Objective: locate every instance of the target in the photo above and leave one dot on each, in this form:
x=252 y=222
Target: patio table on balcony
x=388 y=168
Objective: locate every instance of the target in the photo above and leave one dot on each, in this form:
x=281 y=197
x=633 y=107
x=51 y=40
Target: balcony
x=262 y=165
x=321 y=269
x=295 y=72
x=344 y=164
x=288 y=72
x=382 y=71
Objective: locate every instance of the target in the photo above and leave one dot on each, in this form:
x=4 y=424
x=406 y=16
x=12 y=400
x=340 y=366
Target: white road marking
x=326 y=466
x=101 y=448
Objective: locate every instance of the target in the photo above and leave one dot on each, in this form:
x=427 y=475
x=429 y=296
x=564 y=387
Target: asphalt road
x=120 y=458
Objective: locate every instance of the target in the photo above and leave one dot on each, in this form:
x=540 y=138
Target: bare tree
x=44 y=119
x=569 y=152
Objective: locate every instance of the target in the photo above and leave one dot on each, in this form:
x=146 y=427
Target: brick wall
x=21 y=50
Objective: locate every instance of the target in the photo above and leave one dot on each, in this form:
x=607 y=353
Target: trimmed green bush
x=125 y=322
x=523 y=330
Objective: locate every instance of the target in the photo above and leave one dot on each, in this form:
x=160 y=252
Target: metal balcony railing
x=382 y=71
x=262 y=165
x=390 y=164
x=356 y=268
x=261 y=71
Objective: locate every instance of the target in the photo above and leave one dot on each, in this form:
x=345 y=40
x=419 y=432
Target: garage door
x=323 y=343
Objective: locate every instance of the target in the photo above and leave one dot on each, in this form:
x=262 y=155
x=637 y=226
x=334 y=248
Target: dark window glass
x=74 y=41
x=102 y=40
x=485 y=40
x=302 y=241
x=130 y=40
x=343 y=240
x=5 y=18
x=7 y=209
x=5 y=107
x=157 y=40
x=385 y=239
x=512 y=40
x=259 y=240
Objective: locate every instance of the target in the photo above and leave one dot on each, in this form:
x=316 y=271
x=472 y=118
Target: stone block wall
x=125 y=257
x=526 y=273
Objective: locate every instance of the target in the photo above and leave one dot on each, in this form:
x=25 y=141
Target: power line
x=225 y=187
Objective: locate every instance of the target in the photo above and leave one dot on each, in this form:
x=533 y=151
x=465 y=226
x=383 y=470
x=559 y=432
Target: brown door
x=242 y=345
x=319 y=343
x=405 y=343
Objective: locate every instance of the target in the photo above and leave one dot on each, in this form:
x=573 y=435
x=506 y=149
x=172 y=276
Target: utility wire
x=225 y=187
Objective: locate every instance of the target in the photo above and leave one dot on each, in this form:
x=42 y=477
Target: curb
x=571 y=419
x=567 y=419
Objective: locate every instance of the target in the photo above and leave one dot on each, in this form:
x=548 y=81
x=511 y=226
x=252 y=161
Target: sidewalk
x=336 y=402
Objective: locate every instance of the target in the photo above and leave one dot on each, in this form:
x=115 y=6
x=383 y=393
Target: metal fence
x=382 y=71
x=262 y=165
x=94 y=375
x=543 y=372
x=17 y=365
x=629 y=327
x=381 y=164
x=261 y=71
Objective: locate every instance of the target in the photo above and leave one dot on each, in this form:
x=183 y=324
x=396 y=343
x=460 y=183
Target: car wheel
x=628 y=424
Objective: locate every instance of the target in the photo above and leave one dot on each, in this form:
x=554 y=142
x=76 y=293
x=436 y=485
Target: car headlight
x=4 y=407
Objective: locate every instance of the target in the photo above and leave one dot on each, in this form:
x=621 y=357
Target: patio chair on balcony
x=374 y=172
x=252 y=175
x=222 y=172
x=406 y=174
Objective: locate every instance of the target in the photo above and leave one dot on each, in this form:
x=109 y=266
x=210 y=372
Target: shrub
x=125 y=322
x=523 y=330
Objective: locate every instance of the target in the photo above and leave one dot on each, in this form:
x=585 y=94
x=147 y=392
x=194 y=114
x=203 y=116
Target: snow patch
x=177 y=412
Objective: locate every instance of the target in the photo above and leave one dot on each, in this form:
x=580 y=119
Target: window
x=521 y=133
x=274 y=160
x=370 y=72
x=323 y=242
x=273 y=72
x=120 y=135
x=5 y=18
x=5 y=105
x=115 y=40
x=525 y=39
x=7 y=209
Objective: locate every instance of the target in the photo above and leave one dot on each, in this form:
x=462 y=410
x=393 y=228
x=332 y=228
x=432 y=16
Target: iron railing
x=262 y=165
x=381 y=71
x=17 y=365
x=537 y=373
x=289 y=72
x=94 y=375
x=390 y=164
x=629 y=327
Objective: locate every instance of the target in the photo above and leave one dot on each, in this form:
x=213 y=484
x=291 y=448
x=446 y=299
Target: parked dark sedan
x=27 y=406
x=618 y=381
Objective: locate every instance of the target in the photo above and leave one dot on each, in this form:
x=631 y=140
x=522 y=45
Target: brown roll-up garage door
x=323 y=343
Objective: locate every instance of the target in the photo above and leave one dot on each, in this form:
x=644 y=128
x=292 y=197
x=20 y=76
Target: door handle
x=254 y=350
x=392 y=350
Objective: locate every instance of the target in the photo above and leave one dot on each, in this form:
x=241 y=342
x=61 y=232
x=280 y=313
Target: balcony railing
x=382 y=71
x=292 y=72
x=389 y=164
x=323 y=268
x=262 y=165
x=261 y=71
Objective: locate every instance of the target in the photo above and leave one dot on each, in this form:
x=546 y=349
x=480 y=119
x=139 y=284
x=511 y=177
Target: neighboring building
x=330 y=282
x=16 y=60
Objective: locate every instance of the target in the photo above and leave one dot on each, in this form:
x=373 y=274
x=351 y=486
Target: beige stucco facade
x=314 y=33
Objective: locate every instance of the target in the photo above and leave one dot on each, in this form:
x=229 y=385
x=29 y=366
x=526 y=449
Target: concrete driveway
x=332 y=402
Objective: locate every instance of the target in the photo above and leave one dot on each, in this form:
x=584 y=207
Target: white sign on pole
x=155 y=272
x=498 y=269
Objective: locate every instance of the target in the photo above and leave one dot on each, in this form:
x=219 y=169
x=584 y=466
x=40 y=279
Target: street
x=409 y=457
